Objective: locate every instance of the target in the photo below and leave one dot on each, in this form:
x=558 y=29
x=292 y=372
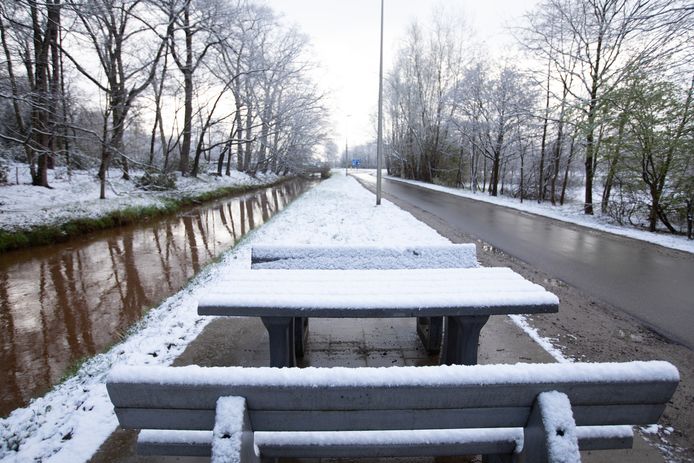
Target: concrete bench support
x=232 y=436
x=282 y=334
x=550 y=434
x=462 y=338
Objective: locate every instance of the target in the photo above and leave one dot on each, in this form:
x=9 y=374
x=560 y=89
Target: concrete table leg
x=461 y=339
x=300 y=335
x=281 y=331
x=430 y=331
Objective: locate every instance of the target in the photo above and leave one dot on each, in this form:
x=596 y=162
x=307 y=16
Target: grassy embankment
x=55 y=233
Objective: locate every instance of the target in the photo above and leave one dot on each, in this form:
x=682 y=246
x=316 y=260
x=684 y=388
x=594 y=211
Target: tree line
x=165 y=85
x=601 y=98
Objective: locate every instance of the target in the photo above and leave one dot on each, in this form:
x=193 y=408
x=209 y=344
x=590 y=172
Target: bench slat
x=198 y=443
x=140 y=418
x=364 y=257
x=605 y=437
x=418 y=443
x=384 y=398
x=178 y=443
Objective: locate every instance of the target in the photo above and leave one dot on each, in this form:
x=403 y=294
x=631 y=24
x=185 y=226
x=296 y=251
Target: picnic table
x=465 y=297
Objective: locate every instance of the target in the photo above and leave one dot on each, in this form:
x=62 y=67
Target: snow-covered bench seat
x=465 y=296
x=429 y=329
x=535 y=412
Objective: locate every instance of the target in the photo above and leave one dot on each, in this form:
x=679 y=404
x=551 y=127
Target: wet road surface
x=652 y=283
x=65 y=302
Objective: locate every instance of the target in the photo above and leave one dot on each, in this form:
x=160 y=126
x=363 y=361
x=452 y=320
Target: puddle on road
x=68 y=301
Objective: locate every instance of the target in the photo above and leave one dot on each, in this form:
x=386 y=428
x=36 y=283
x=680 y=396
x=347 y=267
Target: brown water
x=64 y=302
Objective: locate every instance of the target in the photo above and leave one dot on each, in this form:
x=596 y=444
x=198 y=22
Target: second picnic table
x=465 y=297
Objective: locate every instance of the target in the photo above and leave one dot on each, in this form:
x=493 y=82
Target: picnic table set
x=523 y=412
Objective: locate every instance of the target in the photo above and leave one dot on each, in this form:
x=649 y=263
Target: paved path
x=652 y=283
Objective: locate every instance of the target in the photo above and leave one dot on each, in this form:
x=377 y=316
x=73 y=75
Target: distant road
x=652 y=283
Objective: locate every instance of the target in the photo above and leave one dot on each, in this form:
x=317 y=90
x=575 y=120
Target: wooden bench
x=465 y=297
x=429 y=329
x=522 y=412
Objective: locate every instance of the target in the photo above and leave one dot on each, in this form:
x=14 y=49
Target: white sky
x=345 y=38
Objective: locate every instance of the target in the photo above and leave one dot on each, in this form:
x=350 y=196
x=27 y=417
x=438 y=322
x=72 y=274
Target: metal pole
x=379 y=144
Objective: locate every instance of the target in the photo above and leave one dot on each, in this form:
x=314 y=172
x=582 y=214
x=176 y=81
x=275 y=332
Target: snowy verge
x=76 y=196
x=571 y=213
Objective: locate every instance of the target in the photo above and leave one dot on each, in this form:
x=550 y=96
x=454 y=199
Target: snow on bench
x=535 y=412
x=466 y=297
x=364 y=257
x=429 y=329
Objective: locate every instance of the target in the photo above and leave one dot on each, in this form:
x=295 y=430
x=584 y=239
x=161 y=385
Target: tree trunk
x=239 y=135
x=249 y=134
x=187 y=71
x=566 y=171
x=612 y=170
x=590 y=136
x=543 y=144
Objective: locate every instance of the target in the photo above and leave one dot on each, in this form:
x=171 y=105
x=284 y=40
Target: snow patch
x=522 y=322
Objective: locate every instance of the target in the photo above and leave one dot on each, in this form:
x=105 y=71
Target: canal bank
x=64 y=303
x=36 y=216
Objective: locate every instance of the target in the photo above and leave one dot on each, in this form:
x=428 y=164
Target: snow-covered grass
x=76 y=196
x=69 y=423
x=570 y=212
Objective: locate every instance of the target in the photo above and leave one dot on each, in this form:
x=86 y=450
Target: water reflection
x=64 y=302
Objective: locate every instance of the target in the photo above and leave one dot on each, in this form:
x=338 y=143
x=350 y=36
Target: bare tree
x=609 y=40
x=194 y=27
x=35 y=28
x=117 y=32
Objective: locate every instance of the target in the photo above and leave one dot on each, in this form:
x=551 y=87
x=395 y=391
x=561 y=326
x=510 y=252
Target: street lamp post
x=379 y=143
x=346 y=142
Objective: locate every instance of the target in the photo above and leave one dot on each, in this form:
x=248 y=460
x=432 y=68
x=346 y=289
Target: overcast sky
x=345 y=38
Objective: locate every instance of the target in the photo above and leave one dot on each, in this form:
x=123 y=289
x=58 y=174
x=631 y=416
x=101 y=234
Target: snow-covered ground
x=569 y=212
x=77 y=195
x=70 y=423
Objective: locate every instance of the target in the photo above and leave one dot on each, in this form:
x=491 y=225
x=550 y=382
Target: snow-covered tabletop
x=466 y=296
x=376 y=293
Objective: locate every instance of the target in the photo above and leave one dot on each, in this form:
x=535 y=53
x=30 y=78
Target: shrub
x=325 y=170
x=158 y=182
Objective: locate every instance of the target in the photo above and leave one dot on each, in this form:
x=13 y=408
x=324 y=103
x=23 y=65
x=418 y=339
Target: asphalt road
x=652 y=283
